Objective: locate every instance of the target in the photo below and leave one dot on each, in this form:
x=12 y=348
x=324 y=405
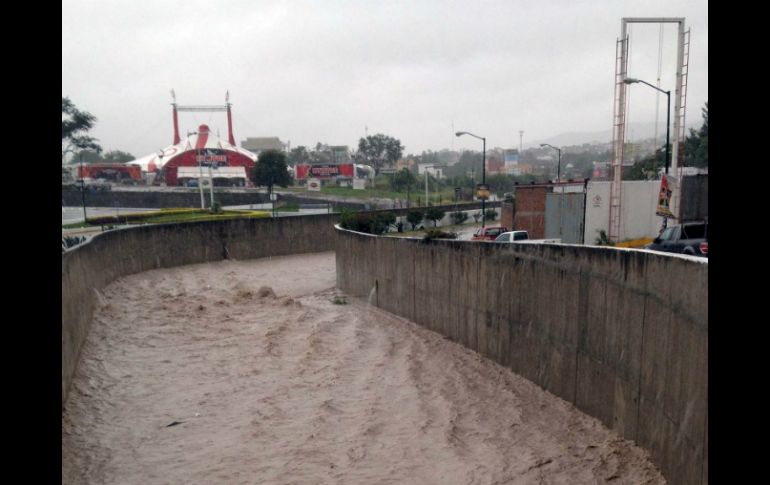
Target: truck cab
x=685 y=238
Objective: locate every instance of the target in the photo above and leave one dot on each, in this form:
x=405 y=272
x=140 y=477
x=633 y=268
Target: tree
x=299 y=155
x=379 y=150
x=86 y=156
x=414 y=217
x=403 y=179
x=271 y=170
x=74 y=126
x=434 y=214
x=117 y=156
x=648 y=168
x=372 y=223
x=459 y=217
x=697 y=143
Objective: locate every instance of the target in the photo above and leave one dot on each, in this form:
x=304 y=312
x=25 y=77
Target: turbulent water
x=260 y=372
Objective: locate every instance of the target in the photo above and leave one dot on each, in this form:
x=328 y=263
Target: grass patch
x=445 y=197
x=339 y=300
x=165 y=216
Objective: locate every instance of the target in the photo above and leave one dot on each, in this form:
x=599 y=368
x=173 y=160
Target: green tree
x=271 y=170
x=648 y=168
x=403 y=179
x=86 y=156
x=117 y=156
x=697 y=143
x=459 y=217
x=74 y=126
x=379 y=150
x=414 y=217
x=299 y=155
x=469 y=162
x=434 y=214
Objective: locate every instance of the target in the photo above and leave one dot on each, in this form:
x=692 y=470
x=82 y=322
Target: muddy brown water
x=261 y=372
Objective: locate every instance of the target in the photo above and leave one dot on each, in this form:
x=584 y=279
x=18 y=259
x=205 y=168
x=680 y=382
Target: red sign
x=344 y=170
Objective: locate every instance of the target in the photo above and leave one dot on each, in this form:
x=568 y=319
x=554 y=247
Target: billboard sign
x=211 y=157
x=314 y=185
x=326 y=171
x=664 y=198
x=482 y=192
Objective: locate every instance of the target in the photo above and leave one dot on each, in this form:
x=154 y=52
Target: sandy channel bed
x=247 y=372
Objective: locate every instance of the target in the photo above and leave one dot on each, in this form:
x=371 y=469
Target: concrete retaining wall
x=621 y=334
x=90 y=267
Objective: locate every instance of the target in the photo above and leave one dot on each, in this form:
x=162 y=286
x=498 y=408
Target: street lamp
x=630 y=80
x=558 y=172
x=483 y=171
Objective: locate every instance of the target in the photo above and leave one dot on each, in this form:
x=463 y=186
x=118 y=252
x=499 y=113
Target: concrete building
x=260 y=144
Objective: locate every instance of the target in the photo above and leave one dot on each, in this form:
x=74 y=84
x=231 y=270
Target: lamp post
x=630 y=80
x=483 y=171
x=558 y=169
x=83 y=187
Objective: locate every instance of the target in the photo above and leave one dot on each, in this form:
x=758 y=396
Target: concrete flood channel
x=268 y=367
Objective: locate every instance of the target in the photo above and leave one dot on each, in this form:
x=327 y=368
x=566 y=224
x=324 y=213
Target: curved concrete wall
x=622 y=334
x=110 y=255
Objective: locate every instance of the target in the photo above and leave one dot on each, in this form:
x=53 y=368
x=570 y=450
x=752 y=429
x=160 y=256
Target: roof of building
x=262 y=143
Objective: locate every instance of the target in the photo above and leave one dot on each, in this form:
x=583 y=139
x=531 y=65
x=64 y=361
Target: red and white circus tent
x=201 y=148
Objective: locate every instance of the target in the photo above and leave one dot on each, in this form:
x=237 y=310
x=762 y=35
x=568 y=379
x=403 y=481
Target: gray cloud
x=321 y=71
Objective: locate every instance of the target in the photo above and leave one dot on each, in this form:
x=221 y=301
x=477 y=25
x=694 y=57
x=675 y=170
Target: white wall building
x=639 y=201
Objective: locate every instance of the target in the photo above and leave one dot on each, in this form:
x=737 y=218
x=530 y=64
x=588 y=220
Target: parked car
x=522 y=237
x=512 y=236
x=488 y=233
x=685 y=238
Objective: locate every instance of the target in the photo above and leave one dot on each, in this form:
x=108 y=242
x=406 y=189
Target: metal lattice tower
x=619 y=116
x=680 y=132
x=618 y=135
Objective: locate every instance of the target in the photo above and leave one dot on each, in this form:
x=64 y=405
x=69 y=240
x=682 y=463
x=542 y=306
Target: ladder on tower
x=618 y=137
x=681 y=134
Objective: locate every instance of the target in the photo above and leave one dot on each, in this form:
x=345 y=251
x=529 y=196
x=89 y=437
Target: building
x=260 y=144
x=340 y=154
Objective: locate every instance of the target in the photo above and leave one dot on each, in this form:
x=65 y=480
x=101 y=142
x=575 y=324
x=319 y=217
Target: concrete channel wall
x=88 y=268
x=622 y=334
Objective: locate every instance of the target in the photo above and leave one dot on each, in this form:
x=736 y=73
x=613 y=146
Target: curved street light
x=631 y=80
x=483 y=170
x=558 y=172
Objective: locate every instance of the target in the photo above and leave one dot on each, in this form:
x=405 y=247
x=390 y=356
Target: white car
x=512 y=236
x=522 y=237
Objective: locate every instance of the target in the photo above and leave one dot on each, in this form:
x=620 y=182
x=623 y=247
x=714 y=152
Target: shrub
x=414 y=217
x=459 y=217
x=71 y=241
x=216 y=207
x=491 y=214
x=603 y=239
x=434 y=214
x=372 y=223
x=438 y=234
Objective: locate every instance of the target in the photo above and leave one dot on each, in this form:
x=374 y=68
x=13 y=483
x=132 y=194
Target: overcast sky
x=324 y=71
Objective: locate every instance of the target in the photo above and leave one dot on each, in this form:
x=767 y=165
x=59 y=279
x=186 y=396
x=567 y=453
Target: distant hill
x=634 y=132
